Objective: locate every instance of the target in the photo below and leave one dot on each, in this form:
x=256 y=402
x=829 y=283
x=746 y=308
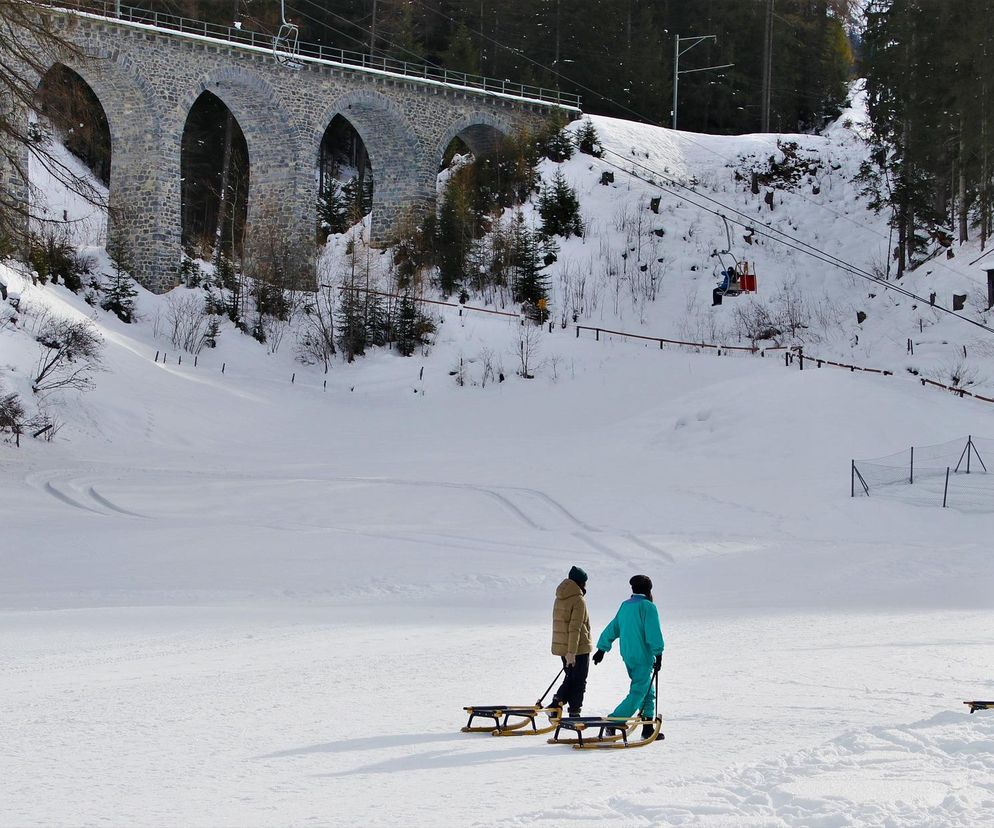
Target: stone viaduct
x=147 y=78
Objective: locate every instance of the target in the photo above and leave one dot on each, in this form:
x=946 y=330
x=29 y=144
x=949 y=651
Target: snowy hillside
x=246 y=592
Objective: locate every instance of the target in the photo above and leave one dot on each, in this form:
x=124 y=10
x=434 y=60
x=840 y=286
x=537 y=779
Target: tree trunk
x=964 y=224
x=223 y=206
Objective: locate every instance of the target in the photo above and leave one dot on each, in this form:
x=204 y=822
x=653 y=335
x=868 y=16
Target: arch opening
x=345 y=179
x=214 y=170
x=454 y=154
x=71 y=108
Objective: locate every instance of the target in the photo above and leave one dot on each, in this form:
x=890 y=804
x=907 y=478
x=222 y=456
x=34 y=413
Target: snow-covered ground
x=229 y=600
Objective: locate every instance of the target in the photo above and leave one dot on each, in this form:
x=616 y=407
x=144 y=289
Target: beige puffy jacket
x=570 y=622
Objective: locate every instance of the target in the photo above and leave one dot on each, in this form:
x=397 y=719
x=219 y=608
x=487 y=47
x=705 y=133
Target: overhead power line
x=772 y=233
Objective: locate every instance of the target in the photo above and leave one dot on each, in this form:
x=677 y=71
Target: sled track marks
x=529 y=507
x=77 y=493
x=64 y=498
x=103 y=501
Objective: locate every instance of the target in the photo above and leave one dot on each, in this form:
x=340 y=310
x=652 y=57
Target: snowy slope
x=229 y=599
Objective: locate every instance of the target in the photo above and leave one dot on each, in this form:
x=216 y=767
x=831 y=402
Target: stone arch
x=481 y=131
x=211 y=220
x=395 y=156
x=75 y=103
x=137 y=200
x=278 y=188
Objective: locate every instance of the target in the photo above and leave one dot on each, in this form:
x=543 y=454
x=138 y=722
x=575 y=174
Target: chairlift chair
x=286 y=43
x=736 y=277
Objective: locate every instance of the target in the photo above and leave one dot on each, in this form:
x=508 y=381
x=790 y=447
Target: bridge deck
x=315 y=53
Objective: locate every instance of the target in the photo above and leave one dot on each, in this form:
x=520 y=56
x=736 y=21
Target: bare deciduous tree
x=70 y=355
x=529 y=346
x=316 y=340
x=29 y=43
x=189 y=323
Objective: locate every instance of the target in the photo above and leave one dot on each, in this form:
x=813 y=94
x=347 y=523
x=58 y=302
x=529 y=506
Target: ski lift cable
x=750 y=224
x=646 y=119
x=313 y=19
x=748 y=218
x=783 y=238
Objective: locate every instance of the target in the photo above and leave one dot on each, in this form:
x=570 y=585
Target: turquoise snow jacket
x=637 y=625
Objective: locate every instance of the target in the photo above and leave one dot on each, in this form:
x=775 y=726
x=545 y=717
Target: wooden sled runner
x=610 y=732
x=606 y=733
x=511 y=720
x=979 y=705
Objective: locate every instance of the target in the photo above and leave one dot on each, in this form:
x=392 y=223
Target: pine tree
x=587 y=139
x=120 y=292
x=531 y=288
x=407 y=337
x=560 y=209
x=332 y=209
x=455 y=232
x=375 y=320
x=351 y=323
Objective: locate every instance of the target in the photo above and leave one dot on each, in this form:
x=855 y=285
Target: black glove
x=658 y=662
x=598 y=657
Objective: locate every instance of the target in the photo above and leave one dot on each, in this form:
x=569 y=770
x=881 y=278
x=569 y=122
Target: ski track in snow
x=532 y=508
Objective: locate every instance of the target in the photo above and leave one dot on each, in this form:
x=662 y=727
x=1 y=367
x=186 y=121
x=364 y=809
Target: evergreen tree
x=333 y=209
x=560 y=209
x=455 y=233
x=587 y=140
x=351 y=323
x=531 y=288
x=375 y=320
x=120 y=292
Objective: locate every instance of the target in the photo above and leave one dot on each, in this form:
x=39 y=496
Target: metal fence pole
x=852 y=478
x=912 y=480
x=945 y=493
x=969 y=451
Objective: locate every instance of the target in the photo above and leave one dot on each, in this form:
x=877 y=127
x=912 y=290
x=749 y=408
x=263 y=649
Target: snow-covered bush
x=13 y=415
x=54 y=258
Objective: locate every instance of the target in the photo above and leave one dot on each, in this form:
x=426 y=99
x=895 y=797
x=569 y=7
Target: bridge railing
x=314 y=51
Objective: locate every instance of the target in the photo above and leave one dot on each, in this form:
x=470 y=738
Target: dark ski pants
x=571 y=691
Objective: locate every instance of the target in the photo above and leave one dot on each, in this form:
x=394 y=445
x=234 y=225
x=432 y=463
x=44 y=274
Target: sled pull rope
x=541 y=701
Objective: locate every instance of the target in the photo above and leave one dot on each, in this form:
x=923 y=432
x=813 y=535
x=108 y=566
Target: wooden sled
x=979 y=705
x=510 y=720
x=606 y=732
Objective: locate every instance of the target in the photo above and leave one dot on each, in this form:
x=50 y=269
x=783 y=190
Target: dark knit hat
x=578 y=575
x=641 y=585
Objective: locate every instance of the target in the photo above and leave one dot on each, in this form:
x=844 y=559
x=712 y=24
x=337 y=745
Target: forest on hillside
x=930 y=93
x=616 y=54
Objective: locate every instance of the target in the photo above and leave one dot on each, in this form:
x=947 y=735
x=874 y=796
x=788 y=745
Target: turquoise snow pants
x=640 y=691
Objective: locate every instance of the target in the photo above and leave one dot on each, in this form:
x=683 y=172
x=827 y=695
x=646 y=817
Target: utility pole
x=677 y=54
x=372 y=32
x=767 y=69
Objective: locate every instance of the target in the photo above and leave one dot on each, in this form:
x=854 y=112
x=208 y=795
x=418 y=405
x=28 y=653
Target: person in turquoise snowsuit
x=637 y=625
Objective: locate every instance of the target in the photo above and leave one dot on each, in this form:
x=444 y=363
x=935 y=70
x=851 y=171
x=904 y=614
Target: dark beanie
x=641 y=585
x=578 y=575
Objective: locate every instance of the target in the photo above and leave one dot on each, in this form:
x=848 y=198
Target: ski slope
x=233 y=600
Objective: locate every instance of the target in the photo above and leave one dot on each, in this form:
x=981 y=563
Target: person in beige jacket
x=571 y=639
